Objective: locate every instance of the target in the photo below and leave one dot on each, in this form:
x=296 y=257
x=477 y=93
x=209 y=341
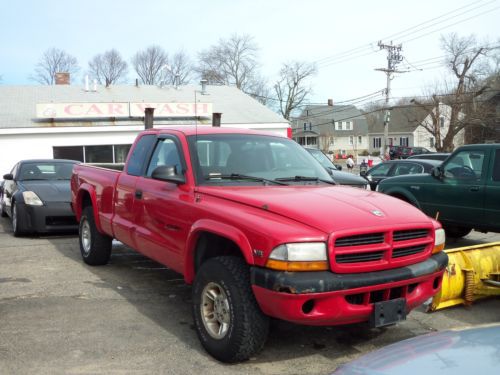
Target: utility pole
x=394 y=57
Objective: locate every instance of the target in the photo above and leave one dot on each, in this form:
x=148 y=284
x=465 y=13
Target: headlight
x=307 y=256
x=31 y=199
x=439 y=241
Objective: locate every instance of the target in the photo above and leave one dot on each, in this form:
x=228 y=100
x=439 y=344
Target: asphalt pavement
x=133 y=316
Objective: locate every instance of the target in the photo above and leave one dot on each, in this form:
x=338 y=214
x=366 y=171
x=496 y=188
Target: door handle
x=138 y=194
x=474 y=188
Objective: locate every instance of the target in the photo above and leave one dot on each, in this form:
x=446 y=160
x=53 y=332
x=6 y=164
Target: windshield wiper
x=237 y=176
x=305 y=178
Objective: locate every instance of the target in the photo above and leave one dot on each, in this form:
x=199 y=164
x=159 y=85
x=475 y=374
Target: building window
x=351 y=139
x=403 y=141
x=93 y=154
x=360 y=139
x=441 y=121
x=69 y=152
x=312 y=141
x=301 y=141
x=431 y=142
x=377 y=142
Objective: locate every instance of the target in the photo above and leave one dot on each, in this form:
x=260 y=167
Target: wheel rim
x=86 y=237
x=215 y=310
x=14 y=218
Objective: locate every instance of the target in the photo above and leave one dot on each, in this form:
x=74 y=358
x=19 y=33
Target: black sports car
x=37 y=195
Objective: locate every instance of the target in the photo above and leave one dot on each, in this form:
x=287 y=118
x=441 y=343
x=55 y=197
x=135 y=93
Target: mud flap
x=388 y=312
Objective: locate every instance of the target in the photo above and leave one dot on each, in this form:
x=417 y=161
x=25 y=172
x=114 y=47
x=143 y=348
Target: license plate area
x=388 y=312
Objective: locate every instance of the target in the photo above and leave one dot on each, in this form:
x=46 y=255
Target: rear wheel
x=95 y=247
x=2 y=209
x=228 y=320
x=456 y=232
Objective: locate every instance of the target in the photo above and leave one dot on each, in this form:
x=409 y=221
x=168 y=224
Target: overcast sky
x=315 y=31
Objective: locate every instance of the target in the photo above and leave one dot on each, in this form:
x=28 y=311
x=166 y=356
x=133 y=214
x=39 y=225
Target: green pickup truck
x=463 y=193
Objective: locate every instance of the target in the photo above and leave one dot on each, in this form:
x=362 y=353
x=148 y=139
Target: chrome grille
x=360 y=239
x=359 y=257
x=405 y=251
x=402 y=235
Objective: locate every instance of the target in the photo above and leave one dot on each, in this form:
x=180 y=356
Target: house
x=99 y=124
x=485 y=127
x=407 y=127
x=337 y=129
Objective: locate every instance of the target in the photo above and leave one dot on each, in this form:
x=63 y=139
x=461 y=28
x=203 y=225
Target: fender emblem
x=377 y=213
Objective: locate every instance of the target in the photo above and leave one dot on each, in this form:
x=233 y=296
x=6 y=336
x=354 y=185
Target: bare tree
x=54 y=61
x=108 y=68
x=466 y=61
x=292 y=86
x=179 y=69
x=232 y=62
x=150 y=65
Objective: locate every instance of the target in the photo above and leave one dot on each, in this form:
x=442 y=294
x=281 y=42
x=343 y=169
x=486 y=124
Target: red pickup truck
x=259 y=228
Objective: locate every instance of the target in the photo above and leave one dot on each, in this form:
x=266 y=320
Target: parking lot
x=58 y=316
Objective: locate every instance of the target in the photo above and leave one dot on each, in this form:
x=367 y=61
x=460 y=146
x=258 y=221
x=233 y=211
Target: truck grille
x=368 y=252
x=361 y=239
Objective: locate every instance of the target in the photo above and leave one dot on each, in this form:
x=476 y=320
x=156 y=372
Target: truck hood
x=326 y=208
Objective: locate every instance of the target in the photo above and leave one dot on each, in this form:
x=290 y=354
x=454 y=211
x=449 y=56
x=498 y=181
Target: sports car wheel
x=2 y=210
x=228 y=320
x=95 y=247
x=15 y=221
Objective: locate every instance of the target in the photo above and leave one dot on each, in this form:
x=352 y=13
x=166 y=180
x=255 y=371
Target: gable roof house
x=486 y=128
x=341 y=129
x=406 y=127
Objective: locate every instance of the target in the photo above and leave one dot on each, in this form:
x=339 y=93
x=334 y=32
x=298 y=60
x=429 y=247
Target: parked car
x=399 y=152
x=463 y=192
x=453 y=352
x=36 y=196
x=431 y=156
x=393 y=168
x=416 y=150
x=342 y=178
x=253 y=221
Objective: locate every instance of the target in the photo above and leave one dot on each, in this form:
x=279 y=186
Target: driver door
x=458 y=196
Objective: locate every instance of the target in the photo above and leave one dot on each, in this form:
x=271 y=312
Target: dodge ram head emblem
x=377 y=213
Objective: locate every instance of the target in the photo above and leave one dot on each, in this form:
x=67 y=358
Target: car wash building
x=98 y=124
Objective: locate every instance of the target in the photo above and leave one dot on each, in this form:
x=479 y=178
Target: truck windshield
x=270 y=158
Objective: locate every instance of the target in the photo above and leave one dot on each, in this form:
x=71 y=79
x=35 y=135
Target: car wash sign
x=120 y=110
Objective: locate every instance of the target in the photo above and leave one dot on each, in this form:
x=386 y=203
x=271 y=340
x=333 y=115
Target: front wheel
x=95 y=247
x=15 y=221
x=228 y=320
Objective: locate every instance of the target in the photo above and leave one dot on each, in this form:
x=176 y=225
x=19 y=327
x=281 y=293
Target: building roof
x=403 y=120
x=322 y=118
x=18 y=103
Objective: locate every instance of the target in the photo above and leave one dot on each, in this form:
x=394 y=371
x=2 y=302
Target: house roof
x=403 y=119
x=18 y=103
x=322 y=118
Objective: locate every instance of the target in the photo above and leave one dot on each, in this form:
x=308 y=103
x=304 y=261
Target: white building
x=99 y=125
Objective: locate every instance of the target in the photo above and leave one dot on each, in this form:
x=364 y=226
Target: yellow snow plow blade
x=473 y=272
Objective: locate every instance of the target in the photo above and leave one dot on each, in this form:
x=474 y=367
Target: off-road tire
x=248 y=326
x=95 y=247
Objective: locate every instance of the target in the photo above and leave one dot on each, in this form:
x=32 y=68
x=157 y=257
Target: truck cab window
x=465 y=165
x=165 y=153
x=137 y=161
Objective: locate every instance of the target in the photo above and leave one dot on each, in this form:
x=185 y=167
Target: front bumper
x=326 y=298
x=51 y=217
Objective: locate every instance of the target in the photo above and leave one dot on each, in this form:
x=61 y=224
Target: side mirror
x=8 y=176
x=168 y=173
x=437 y=172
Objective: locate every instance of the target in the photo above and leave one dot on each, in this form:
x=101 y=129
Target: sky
x=339 y=36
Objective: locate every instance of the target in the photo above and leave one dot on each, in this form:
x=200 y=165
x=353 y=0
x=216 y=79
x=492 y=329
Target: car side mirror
x=437 y=172
x=8 y=176
x=168 y=173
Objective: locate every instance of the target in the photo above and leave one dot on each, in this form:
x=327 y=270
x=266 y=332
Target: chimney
x=203 y=86
x=148 y=118
x=62 y=78
x=137 y=82
x=330 y=102
x=216 y=116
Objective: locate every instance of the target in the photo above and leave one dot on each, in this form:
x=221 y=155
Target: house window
x=377 y=142
x=349 y=125
x=441 y=122
x=312 y=141
x=360 y=139
x=403 y=141
x=301 y=141
x=351 y=139
x=431 y=142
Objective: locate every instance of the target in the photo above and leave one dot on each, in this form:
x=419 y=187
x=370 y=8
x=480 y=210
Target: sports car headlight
x=307 y=256
x=439 y=241
x=31 y=199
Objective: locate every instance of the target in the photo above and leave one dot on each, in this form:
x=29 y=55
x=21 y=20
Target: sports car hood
x=327 y=208
x=50 y=190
